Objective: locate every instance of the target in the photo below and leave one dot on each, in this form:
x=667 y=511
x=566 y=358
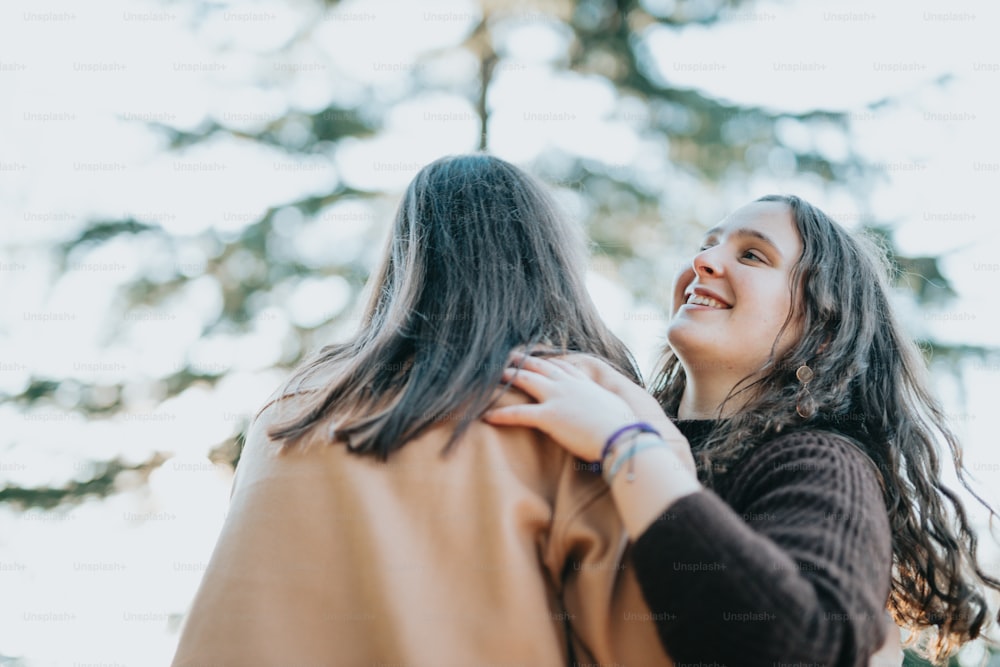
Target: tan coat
x=507 y=552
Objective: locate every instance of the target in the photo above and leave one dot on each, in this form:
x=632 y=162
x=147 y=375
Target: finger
x=588 y=365
x=517 y=357
x=521 y=352
x=533 y=384
x=513 y=415
x=569 y=367
x=595 y=361
x=544 y=367
x=603 y=373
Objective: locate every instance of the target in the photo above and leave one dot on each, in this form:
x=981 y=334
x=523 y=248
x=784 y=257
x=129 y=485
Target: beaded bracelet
x=641 y=427
x=629 y=455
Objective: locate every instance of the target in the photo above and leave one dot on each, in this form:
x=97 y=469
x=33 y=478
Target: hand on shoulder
x=581 y=401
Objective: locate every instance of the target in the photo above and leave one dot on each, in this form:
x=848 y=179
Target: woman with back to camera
x=796 y=493
x=375 y=519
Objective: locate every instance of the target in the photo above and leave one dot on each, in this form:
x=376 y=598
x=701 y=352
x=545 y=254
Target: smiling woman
x=794 y=494
x=731 y=302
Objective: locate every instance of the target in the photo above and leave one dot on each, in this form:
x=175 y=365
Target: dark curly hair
x=870 y=383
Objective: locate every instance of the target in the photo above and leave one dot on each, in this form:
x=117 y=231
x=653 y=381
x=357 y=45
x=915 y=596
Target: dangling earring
x=806 y=407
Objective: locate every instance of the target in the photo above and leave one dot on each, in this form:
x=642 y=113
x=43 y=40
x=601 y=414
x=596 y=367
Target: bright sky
x=112 y=579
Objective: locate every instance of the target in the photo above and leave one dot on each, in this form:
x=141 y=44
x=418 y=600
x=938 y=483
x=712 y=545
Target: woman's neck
x=701 y=400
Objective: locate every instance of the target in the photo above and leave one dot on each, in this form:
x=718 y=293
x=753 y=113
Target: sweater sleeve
x=796 y=569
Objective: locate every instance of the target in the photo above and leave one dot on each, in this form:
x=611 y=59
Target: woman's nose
x=706 y=263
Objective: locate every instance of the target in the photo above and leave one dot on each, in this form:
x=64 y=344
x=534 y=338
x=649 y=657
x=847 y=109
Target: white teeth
x=705 y=301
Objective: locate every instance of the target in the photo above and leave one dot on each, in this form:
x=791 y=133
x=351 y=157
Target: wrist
x=622 y=436
x=661 y=479
x=622 y=459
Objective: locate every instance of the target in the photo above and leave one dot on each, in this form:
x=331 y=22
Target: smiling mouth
x=700 y=300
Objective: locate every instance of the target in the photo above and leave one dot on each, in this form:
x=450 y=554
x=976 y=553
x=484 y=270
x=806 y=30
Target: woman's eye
x=749 y=254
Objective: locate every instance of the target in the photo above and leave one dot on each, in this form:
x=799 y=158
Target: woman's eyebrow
x=746 y=232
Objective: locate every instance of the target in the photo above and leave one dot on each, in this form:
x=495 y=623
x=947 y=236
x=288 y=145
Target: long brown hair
x=870 y=383
x=478 y=262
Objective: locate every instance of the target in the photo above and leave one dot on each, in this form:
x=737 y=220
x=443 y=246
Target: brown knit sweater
x=785 y=562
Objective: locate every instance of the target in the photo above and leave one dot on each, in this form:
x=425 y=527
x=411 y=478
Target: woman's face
x=731 y=301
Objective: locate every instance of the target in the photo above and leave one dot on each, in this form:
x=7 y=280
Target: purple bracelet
x=641 y=427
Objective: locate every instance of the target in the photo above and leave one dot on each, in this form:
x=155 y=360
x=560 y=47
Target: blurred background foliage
x=708 y=141
x=695 y=155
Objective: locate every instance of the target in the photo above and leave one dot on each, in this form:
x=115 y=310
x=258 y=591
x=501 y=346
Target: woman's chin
x=687 y=335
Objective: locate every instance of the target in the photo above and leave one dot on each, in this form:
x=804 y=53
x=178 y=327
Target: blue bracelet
x=641 y=427
x=629 y=457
